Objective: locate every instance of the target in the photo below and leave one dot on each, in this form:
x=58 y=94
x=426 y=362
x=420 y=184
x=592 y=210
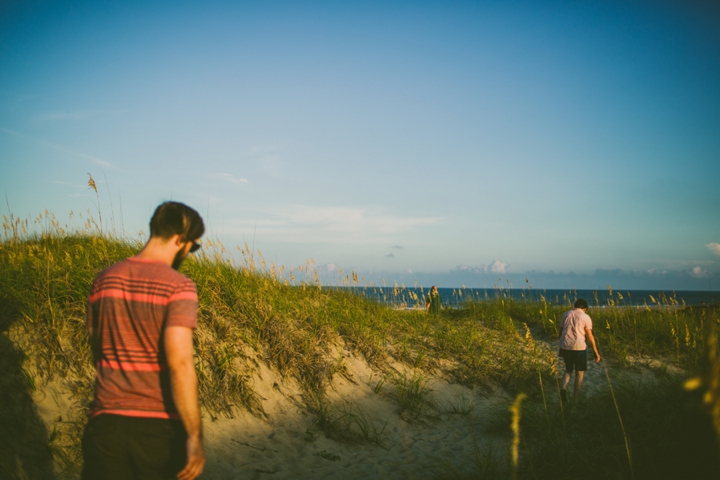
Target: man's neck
x=160 y=249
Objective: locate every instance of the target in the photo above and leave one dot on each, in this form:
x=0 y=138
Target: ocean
x=411 y=297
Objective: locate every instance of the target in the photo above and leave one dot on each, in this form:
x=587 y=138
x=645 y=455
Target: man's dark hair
x=580 y=303
x=175 y=218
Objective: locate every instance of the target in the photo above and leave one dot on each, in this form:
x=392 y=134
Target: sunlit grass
x=252 y=313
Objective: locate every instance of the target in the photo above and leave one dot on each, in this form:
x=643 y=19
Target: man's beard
x=177 y=261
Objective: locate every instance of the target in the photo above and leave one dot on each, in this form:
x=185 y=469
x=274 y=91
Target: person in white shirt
x=576 y=329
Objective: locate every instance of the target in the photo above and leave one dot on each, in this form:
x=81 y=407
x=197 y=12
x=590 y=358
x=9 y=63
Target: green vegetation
x=667 y=438
x=346 y=424
x=249 y=315
x=411 y=393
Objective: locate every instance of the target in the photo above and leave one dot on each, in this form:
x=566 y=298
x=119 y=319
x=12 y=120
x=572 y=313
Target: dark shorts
x=117 y=447
x=574 y=360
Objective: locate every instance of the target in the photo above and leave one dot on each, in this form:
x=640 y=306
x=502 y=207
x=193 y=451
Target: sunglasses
x=195 y=247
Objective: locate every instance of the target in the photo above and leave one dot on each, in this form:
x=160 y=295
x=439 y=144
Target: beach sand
x=288 y=444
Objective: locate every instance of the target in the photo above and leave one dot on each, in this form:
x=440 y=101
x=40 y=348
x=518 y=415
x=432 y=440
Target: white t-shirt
x=574 y=324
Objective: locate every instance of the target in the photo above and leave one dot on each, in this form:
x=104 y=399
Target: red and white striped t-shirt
x=129 y=306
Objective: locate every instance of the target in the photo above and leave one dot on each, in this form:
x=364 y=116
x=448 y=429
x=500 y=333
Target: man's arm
x=179 y=353
x=591 y=341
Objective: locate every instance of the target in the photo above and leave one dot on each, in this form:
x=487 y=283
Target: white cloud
x=96 y=160
x=99 y=161
x=74 y=185
x=495 y=267
x=353 y=224
x=51 y=116
x=337 y=225
x=469 y=269
x=698 y=272
x=714 y=248
x=351 y=219
x=389 y=255
x=227 y=177
x=498 y=267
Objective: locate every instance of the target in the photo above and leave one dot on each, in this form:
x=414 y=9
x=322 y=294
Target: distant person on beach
x=144 y=421
x=576 y=329
x=434 y=302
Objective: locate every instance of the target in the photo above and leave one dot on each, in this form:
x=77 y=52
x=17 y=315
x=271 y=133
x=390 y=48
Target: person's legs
x=157 y=448
x=569 y=367
x=105 y=452
x=578 y=383
x=122 y=448
x=581 y=367
x=566 y=379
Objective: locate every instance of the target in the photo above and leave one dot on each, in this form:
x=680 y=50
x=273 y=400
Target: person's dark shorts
x=116 y=447
x=574 y=360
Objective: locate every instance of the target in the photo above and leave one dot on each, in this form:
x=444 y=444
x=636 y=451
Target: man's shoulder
x=576 y=314
x=581 y=317
x=115 y=269
x=139 y=269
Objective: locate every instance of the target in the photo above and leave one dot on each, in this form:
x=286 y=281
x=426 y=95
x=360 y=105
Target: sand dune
x=289 y=444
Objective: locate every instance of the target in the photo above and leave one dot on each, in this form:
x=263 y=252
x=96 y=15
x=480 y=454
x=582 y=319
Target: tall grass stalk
x=515 y=426
x=619 y=416
x=712 y=396
x=710 y=380
x=91 y=184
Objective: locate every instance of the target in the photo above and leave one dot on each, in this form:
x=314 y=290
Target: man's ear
x=177 y=240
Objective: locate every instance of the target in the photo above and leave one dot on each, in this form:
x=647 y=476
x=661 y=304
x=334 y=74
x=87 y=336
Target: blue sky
x=573 y=143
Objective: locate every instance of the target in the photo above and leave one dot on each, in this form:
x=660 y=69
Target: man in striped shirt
x=145 y=421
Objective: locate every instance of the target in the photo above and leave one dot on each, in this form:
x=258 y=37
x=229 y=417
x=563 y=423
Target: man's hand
x=195 y=459
x=591 y=340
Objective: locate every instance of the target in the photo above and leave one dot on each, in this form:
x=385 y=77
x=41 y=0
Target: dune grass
x=345 y=423
x=247 y=315
x=251 y=313
x=669 y=437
